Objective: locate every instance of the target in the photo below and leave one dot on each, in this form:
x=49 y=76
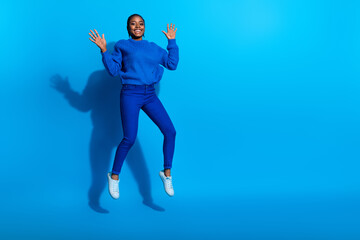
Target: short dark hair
x=128 y=23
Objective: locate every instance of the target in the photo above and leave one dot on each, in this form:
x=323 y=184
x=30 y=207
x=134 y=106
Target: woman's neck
x=137 y=39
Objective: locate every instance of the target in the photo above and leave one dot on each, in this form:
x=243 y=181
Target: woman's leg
x=157 y=113
x=130 y=107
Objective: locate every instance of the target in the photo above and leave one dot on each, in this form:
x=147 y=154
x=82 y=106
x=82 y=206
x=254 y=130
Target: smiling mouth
x=138 y=31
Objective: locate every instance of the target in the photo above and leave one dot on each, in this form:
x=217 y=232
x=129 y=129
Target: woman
x=137 y=62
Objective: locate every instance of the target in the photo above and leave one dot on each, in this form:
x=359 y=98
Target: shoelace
x=115 y=186
x=169 y=183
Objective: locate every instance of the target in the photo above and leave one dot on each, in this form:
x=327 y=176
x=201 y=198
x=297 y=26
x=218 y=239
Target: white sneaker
x=167 y=183
x=113 y=186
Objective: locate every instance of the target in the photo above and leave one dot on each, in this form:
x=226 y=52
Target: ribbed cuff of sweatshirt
x=104 y=53
x=172 y=42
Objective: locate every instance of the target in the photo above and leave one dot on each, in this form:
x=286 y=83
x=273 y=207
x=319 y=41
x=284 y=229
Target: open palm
x=171 y=32
x=99 y=41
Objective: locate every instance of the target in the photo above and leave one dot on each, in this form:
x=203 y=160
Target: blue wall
x=265 y=101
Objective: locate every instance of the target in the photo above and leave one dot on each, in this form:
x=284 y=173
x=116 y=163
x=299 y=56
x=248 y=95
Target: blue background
x=265 y=101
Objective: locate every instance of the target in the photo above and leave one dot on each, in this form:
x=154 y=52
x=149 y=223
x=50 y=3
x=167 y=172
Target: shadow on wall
x=101 y=96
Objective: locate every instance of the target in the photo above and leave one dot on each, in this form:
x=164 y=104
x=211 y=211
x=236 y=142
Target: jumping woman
x=137 y=61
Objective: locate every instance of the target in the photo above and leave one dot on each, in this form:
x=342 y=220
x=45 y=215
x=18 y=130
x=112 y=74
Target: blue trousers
x=132 y=99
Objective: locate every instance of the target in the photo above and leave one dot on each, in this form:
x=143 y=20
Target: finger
x=168 y=27
x=175 y=30
x=97 y=33
x=91 y=40
x=93 y=34
x=165 y=34
x=173 y=26
x=103 y=36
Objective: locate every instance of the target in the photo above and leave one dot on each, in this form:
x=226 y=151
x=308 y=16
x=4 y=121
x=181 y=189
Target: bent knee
x=129 y=141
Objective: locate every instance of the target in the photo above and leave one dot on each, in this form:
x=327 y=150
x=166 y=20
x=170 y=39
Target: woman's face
x=136 y=27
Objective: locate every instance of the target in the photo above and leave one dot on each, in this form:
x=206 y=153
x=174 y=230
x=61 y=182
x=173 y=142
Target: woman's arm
x=170 y=60
x=112 y=62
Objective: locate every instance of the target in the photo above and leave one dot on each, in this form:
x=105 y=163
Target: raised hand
x=99 y=41
x=170 y=31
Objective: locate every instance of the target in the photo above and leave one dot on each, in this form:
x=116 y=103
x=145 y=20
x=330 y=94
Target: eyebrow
x=135 y=21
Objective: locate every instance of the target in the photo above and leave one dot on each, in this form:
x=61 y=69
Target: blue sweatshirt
x=137 y=62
